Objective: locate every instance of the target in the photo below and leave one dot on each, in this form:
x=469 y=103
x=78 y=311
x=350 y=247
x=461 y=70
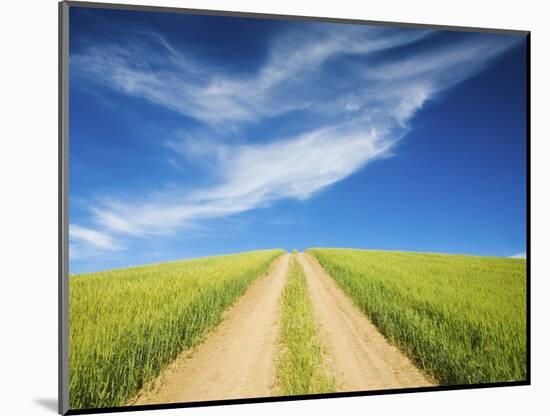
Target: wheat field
x=462 y=319
x=127 y=324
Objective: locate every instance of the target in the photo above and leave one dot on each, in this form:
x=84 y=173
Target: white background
x=28 y=211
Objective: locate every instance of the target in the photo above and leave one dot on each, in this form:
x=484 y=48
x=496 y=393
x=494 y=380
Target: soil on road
x=237 y=359
x=360 y=357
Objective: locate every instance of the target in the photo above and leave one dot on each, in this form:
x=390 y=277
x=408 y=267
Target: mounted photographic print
x=263 y=208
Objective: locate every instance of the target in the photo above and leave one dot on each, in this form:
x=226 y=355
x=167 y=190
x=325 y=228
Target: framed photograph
x=263 y=208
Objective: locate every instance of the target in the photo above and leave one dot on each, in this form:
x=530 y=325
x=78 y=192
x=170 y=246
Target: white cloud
x=361 y=116
x=177 y=81
x=254 y=176
x=519 y=256
x=92 y=238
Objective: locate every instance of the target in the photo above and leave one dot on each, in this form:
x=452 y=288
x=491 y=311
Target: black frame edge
x=63 y=194
x=166 y=406
x=254 y=15
x=528 y=199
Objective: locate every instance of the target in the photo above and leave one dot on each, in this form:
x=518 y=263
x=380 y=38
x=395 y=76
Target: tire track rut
x=237 y=359
x=360 y=357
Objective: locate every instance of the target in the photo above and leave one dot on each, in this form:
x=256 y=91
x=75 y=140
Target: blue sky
x=200 y=135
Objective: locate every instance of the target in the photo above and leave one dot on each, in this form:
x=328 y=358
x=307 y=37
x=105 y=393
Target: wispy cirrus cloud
x=175 y=80
x=254 y=176
x=359 y=96
x=519 y=256
x=93 y=239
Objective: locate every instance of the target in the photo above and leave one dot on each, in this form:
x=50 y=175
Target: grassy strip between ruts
x=126 y=325
x=460 y=318
x=301 y=366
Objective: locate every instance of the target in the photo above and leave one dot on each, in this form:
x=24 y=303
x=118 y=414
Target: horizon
x=520 y=256
x=194 y=136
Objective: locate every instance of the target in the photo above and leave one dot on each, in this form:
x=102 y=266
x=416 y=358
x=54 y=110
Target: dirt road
x=358 y=354
x=237 y=359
